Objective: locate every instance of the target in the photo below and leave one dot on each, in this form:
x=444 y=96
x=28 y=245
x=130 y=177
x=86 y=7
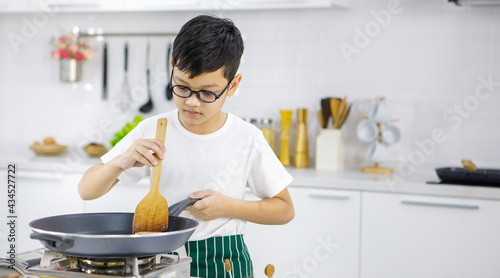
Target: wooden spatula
x=334 y=108
x=151 y=214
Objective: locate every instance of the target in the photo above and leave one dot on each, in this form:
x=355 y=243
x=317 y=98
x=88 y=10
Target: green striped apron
x=209 y=255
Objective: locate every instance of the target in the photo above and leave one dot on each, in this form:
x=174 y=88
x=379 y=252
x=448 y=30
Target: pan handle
x=54 y=242
x=177 y=208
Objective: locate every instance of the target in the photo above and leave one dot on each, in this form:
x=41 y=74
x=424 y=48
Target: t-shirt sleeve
x=132 y=175
x=267 y=176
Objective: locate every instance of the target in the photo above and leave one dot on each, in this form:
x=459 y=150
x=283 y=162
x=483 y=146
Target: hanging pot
x=70 y=70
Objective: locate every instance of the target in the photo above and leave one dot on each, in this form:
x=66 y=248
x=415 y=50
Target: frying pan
x=110 y=234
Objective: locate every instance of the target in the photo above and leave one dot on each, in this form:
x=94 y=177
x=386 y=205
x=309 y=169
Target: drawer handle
x=329 y=196
x=441 y=205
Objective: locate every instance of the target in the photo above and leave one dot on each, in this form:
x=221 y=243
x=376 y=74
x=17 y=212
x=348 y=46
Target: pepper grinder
x=301 y=150
x=286 y=120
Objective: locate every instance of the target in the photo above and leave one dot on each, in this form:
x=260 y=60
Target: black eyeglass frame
x=217 y=96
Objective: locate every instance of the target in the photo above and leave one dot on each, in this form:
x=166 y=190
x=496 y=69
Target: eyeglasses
x=203 y=95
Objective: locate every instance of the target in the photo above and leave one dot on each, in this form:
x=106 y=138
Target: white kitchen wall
x=427 y=59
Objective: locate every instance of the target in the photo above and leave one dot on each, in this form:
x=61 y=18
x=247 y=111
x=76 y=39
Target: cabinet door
x=167 y=5
x=53 y=7
x=13 y=6
x=274 y=244
x=42 y=194
x=329 y=233
x=285 y=4
x=419 y=236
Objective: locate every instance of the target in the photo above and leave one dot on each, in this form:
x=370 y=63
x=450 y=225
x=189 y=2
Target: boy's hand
x=211 y=206
x=139 y=154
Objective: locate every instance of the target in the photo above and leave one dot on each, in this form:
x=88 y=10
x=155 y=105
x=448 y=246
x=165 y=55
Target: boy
x=208 y=154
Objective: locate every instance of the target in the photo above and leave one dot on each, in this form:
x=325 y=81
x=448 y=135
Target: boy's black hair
x=207 y=43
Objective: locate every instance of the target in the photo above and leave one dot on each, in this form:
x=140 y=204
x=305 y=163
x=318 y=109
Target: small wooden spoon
x=151 y=214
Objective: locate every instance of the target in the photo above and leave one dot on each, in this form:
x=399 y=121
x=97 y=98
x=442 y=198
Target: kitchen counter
x=77 y=161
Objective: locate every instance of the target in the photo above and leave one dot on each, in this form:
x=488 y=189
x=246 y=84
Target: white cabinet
x=274 y=244
x=120 y=198
x=213 y=5
x=322 y=240
x=41 y=194
x=13 y=6
x=280 y=4
x=419 y=236
x=54 y=7
x=329 y=233
x=167 y=5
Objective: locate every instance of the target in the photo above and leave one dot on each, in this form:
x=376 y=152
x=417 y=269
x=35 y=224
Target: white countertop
x=75 y=161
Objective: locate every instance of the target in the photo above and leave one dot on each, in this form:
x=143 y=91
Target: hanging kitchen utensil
x=151 y=214
x=123 y=101
x=148 y=106
x=109 y=234
x=105 y=72
x=169 y=88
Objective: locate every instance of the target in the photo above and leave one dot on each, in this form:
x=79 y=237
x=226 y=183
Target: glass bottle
x=267 y=129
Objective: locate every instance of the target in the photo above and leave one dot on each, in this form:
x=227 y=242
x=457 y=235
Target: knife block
x=330 y=149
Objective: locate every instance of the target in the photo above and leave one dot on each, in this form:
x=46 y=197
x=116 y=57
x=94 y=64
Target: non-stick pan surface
x=110 y=234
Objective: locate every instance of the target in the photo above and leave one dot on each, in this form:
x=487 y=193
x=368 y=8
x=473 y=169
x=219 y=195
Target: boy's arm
x=272 y=211
x=100 y=178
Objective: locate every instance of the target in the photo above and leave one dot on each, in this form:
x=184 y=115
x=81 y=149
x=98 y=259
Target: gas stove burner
x=47 y=263
x=113 y=266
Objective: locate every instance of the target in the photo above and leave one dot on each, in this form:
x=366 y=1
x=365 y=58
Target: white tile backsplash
x=427 y=59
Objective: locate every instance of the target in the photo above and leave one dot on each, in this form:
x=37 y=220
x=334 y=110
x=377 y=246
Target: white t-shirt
x=228 y=160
